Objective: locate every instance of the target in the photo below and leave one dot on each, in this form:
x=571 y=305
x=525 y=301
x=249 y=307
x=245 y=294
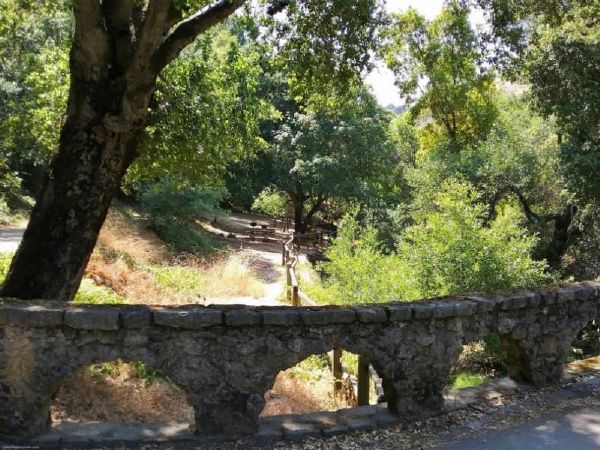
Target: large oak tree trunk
x=299 y=226
x=73 y=202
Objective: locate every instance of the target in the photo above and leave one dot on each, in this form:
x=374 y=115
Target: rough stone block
x=285 y=317
x=31 y=315
x=385 y=419
x=445 y=309
x=323 y=419
x=399 y=312
x=465 y=308
x=584 y=291
x=299 y=430
x=533 y=331
x=516 y=301
x=549 y=297
x=268 y=432
x=423 y=310
x=371 y=314
x=506 y=325
x=242 y=317
x=359 y=412
x=519 y=332
x=533 y=300
x=92 y=318
x=340 y=428
x=483 y=304
x=135 y=317
x=327 y=316
x=565 y=294
x=191 y=319
x=362 y=424
x=135 y=340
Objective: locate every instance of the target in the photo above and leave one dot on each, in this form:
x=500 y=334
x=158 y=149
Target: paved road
x=10 y=238
x=576 y=428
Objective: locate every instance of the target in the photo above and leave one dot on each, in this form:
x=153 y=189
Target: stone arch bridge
x=226 y=358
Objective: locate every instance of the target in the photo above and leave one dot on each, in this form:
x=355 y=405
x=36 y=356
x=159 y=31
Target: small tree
x=318 y=156
x=437 y=69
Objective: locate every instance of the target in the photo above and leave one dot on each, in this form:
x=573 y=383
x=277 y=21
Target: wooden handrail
x=289 y=258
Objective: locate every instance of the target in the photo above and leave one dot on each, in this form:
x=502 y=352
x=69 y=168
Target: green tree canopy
x=438 y=69
x=317 y=156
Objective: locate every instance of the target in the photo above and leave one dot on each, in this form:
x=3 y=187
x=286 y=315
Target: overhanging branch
x=187 y=30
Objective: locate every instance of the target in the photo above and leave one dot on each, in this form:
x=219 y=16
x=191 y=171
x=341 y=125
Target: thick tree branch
x=118 y=19
x=315 y=207
x=187 y=30
x=150 y=35
x=90 y=50
x=531 y=216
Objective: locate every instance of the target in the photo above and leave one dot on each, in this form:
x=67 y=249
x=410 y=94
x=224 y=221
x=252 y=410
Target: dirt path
x=10 y=237
x=263 y=254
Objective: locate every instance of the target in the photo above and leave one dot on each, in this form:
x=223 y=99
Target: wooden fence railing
x=365 y=372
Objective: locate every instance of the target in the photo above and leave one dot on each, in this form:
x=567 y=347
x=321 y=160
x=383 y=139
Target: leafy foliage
x=438 y=68
x=271 y=202
x=451 y=251
x=448 y=251
x=207 y=114
x=321 y=155
x=175 y=208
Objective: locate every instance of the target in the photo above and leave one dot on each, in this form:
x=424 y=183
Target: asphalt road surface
x=577 y=429
x=10 y=238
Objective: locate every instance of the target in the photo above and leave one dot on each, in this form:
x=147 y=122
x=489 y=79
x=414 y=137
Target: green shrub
x=184 y=236
x=174 y=209
x=5 y=259
x=271 y=202
x=179 y=278
x=99 y=295
x=464 y=380
x=170 y=199
x=357 y=270
x=450 y=250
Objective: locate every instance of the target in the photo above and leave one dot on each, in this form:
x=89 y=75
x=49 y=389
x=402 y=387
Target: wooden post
x=295 y=299
x=336 y=368
x=283 y=261
x=363 y=380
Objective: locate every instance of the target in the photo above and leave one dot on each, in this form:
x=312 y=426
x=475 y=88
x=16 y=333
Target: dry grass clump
x=135 y=286
x=119 y=235
x=232 y=277
x=137 y=265
x=122 y=396
x=304 y=388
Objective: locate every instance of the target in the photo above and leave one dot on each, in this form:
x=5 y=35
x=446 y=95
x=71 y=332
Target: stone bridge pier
x=226 y=358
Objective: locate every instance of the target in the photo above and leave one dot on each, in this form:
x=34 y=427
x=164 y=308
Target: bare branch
x=90 y=50
x=187 y=30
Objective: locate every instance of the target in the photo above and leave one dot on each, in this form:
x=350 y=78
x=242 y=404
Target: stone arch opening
x=584 y=352
x=322 y=382
x=120 y=391
x=479 y=373
x=482 y=359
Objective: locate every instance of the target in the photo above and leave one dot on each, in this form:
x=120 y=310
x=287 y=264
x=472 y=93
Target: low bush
x=271 y=202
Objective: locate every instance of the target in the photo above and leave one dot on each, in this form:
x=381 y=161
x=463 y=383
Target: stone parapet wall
x=226 y=358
